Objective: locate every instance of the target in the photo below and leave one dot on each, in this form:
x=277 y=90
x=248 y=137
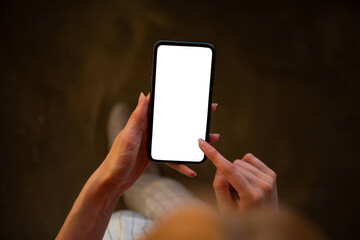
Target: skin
x=124 y=164
x=127 y=160
x=242 y=184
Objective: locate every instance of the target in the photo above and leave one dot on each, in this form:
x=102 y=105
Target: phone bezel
x=152 y=95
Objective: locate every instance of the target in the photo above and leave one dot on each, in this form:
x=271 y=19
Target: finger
x=255 y=171
x=236 y=179
x=254 y=180
x=251 y=159
x=213 y=107
x=262 y=181
x=139 y=114
x=145 y=123
x=182 y=169
x=218 y=160
x=222 y=193
x=214 y=137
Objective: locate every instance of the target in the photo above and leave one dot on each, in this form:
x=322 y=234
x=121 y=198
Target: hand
x=243 y=184
x=127 y=159
x=124 y=164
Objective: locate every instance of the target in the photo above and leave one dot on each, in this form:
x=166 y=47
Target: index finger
x=219 y=161
x=236 y=179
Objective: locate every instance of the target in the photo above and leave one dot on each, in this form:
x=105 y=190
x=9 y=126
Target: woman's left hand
x=128 y=159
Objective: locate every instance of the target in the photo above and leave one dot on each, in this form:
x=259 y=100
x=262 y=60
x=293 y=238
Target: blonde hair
x=200 y=223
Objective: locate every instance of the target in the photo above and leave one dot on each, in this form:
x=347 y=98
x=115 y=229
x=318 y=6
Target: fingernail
x=202 y=143
x=218 y=135
x=193 y=174
x=216 y=105
x=141 y=97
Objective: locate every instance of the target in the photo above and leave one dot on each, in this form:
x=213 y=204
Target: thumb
x=139 y=115
x=133 y=132
x=222 y=192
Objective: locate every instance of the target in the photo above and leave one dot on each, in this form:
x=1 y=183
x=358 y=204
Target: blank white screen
x=182 y=83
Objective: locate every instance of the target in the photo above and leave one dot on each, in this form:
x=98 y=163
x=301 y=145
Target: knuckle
x=130 y=140
x=267 y=188
x=214 y=152
x=248 y=157
x=210 y=151
x=272 y=174
x=255 y=197
x=237 y=161
x=219 y=184
x=230 y=169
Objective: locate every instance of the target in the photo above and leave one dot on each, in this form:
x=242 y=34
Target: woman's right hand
x=243 y=184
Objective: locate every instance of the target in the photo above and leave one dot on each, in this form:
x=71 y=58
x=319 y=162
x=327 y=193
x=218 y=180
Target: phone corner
x=203 y=160
x=211 y=46
x=158 y=44
x=148 y=153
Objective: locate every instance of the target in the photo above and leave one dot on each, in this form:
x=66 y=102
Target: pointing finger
x=219 y=161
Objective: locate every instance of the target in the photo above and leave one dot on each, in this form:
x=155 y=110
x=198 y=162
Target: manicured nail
x=141 y=97
x=202 y=143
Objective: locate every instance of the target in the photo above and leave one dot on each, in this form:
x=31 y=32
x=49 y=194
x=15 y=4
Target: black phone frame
x=152 y=95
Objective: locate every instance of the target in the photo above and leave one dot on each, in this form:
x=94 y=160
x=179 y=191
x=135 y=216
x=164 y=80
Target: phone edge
x=152 y=95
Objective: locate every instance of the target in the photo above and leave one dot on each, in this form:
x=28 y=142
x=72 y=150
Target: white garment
x=151 y=197
x=127 y=224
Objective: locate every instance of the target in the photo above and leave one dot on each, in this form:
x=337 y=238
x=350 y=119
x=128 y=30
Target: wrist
x=92 y=209
x=107 y=182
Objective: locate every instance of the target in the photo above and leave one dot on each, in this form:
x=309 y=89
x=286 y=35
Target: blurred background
x=286 y=80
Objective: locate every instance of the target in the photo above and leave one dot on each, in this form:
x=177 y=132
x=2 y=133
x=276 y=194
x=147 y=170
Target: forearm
x=92 y=209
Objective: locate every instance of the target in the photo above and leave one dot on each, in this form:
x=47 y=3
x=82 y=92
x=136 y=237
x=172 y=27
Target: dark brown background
x=286 y=80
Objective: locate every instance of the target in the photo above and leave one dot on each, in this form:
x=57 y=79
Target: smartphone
x=180 y=100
